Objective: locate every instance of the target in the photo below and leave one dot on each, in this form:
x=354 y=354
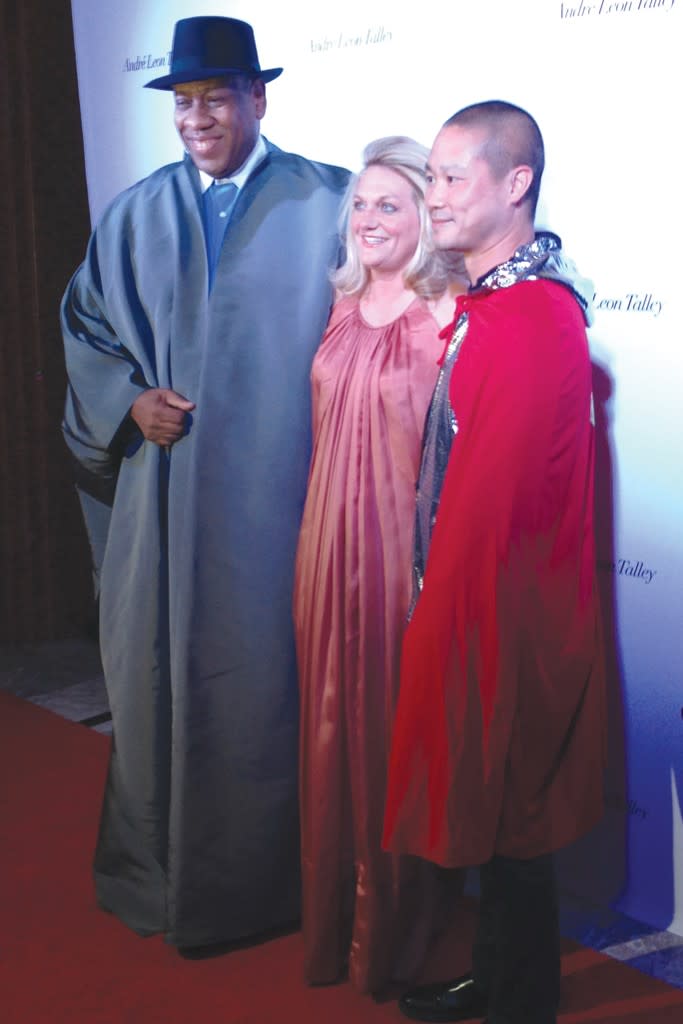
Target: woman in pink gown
x=372 y=379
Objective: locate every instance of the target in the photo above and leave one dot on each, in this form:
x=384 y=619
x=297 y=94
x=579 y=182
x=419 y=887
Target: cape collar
x=542 y=257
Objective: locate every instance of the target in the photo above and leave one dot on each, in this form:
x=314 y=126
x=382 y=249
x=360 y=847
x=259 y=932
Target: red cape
x=498 y=744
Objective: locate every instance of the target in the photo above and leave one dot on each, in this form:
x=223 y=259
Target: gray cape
x=195 y=548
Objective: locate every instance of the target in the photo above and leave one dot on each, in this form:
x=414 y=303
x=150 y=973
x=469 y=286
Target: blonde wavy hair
x=427 y=273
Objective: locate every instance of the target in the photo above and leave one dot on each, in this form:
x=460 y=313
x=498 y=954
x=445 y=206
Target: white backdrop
x=603 y=80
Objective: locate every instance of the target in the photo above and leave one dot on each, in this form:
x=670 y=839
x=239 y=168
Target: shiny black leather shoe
x=444 y=1001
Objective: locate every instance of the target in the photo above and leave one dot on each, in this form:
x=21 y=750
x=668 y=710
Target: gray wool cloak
x=195 y=547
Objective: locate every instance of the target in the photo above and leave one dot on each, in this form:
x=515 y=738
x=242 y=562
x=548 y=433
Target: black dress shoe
x=207 y=952
x=213 y=949
x=444 y=1001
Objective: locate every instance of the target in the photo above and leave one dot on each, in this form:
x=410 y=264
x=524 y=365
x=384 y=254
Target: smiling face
x=472 y=210
x=218 y=121
x=385 y=221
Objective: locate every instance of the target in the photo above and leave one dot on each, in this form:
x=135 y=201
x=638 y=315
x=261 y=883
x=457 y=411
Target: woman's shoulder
x=343 y=306
x=442 y=308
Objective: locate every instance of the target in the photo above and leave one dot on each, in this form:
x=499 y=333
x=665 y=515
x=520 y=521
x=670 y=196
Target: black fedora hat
x=210 y=48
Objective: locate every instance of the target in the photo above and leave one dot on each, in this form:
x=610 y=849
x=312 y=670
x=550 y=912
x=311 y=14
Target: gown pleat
x=363 y=909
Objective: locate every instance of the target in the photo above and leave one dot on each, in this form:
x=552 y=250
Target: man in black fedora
x=189 y=332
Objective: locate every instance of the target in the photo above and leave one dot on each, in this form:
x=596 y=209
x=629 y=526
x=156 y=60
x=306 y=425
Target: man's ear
x=258 y=88
x=520 y=182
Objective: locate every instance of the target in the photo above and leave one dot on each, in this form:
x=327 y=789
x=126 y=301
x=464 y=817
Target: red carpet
x=63 y=960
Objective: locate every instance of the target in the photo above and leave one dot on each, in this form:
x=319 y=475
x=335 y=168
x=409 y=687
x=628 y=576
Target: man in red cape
x=498 y=746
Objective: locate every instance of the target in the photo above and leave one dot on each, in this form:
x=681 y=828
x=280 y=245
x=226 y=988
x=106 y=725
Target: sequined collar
x=543 y=257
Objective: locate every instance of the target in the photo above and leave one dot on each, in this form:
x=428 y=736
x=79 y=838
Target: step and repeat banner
x=603 y=80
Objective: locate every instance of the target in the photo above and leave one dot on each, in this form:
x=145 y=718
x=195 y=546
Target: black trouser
x=516 y=955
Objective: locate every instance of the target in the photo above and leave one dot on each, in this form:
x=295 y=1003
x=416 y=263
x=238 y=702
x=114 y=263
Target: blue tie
x=219 y=200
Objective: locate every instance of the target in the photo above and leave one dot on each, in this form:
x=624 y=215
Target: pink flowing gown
x=362 y=907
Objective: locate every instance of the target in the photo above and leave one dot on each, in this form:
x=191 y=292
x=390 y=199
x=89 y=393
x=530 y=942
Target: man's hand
x=160 y=415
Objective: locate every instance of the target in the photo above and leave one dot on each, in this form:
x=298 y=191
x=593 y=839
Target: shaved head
x=511 y=138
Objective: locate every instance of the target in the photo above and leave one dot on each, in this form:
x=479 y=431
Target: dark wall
x=45 y=586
